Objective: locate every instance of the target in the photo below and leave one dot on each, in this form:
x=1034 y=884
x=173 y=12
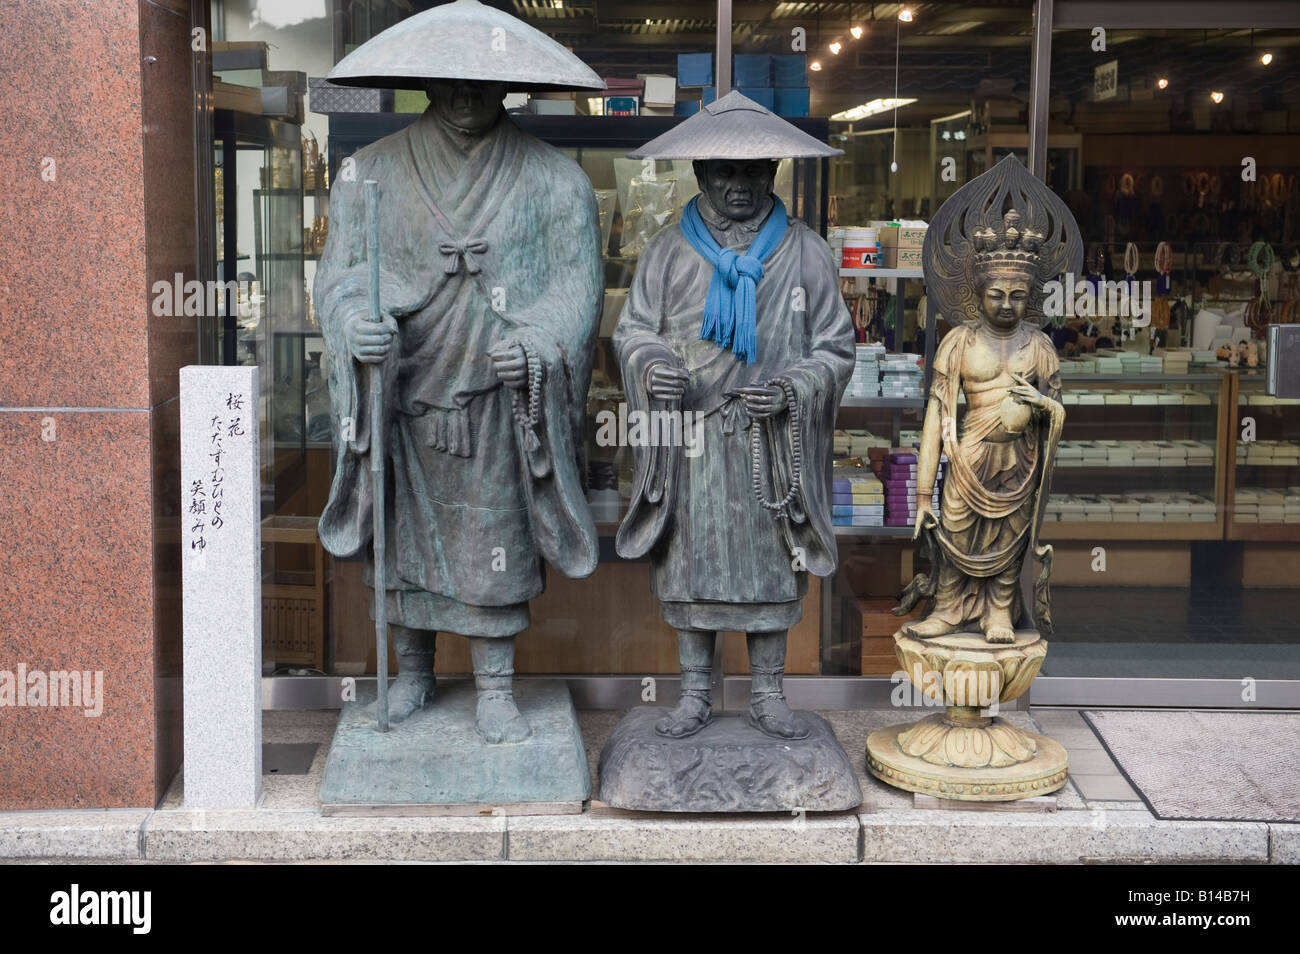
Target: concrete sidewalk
x=1099 y=819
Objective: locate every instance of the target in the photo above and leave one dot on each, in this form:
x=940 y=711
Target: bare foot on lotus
x=929 y=628
x=999 y=632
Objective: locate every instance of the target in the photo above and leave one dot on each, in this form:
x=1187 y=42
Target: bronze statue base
x=888 y=760
x=961 y=754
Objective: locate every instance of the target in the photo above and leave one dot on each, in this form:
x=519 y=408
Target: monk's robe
x=479 y=246
x=995 y=483
x=719 y=560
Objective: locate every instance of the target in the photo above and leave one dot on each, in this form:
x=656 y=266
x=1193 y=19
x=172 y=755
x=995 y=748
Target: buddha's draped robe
x=993 y=486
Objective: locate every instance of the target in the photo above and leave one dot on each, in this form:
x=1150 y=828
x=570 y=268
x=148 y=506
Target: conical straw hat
x=734 y=127
x=464 y=40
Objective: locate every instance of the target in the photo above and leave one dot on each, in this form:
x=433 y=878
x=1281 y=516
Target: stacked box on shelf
x=1268 y=454
x=1110 y=453
x=765 y=96
x=857 y=498
x=694 y=69
x=866 y=371
x=857 y=443
x=1176 y=360
x=1165 y=506
x=789 y=70
x=327 y=97
x=899 y=477
x=1291 y=505
x=900 y=376
x=792 y=101
x=752 y=70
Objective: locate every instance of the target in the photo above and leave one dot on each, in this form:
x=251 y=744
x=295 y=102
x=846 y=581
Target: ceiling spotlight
x=1266 y=59
x=835 y=47
x=905 y=15
x=857 y=34
x=1163 y=83
x=815 y=66
x=1216 y=96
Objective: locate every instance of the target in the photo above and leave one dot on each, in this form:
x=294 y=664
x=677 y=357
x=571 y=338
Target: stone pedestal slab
x=728 y=766
x=435 y=762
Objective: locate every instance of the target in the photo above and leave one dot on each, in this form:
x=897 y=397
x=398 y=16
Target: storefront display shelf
x=915 y=404
x=1103 y=531
x=1204 y=377
x=881 y=273
x=841 y=531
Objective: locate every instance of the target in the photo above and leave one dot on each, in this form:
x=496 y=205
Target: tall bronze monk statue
x=735 y=315
x=490 y=294
x=988 y=254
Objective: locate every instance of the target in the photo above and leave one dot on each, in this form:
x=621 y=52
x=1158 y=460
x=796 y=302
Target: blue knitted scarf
x=731 y=310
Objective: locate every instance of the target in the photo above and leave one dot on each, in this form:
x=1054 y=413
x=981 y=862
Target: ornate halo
x=949 y=254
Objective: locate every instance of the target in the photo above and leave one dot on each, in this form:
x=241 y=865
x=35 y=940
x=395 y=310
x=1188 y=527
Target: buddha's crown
x=1012 y=248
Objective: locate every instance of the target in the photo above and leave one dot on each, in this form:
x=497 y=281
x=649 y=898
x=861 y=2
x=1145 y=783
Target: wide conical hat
x=734 y=127
x=463 y=40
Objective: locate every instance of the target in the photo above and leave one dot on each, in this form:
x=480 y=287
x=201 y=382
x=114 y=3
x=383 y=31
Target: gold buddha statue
x=1001 y=246
x=988 y=254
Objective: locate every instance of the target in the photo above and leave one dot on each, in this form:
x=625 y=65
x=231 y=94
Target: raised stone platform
x=435 y=763
x=1098 y=819
x=728 y=766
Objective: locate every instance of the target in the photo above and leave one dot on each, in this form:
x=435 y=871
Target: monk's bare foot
x=999 y=633
x=407 y=695
x=690 y=715
x=497 y=718
x=929 y=628
x=771 y=716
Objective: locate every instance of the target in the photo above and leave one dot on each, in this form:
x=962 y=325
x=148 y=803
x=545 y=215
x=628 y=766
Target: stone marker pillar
x=222 y=569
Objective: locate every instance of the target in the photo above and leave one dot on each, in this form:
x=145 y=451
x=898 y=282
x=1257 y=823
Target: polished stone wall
x=97 y=158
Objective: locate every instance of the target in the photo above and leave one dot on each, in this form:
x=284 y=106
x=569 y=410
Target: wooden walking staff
x=370 y=189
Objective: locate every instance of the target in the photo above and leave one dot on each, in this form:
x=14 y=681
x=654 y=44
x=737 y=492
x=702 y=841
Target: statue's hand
x=511 y=365
x=370 y=341
x=925 y=517
x=1026 y=393
x=761 y=401
x=666 y=383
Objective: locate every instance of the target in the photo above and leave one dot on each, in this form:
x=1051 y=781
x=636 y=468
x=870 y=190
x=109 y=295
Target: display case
x=258 y=165
x=1141 y=457
x=1263 y=493
x=268 y=229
